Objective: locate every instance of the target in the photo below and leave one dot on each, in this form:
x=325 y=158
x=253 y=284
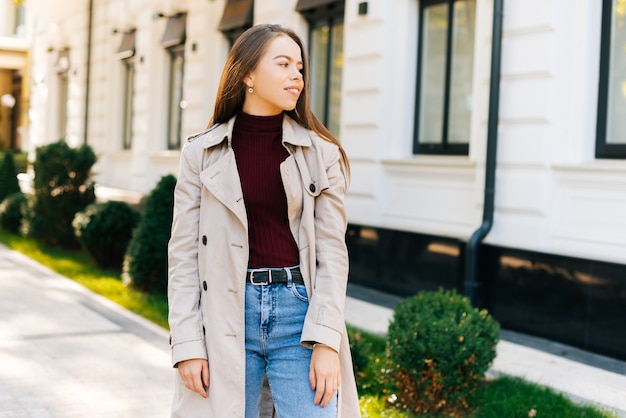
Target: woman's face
x=276 y=80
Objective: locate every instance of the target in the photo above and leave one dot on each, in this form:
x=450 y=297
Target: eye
x=284 y=64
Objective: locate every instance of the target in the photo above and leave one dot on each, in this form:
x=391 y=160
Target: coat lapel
x=221 y=177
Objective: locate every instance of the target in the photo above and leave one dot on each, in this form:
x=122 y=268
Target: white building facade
x=405 y=85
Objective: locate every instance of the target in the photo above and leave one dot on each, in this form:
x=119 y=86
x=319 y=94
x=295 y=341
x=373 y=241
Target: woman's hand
x=195 y=375
x=324 y=374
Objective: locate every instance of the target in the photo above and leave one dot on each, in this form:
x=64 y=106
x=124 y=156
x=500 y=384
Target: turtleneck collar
x=250 y=123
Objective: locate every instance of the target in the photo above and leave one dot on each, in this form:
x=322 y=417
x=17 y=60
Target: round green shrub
x=12 y=211
x=104 y=230
x=145 y=262
x=63 y=187
x=8 y=176
x=440 y=347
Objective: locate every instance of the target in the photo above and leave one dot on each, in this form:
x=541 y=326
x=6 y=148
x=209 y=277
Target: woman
x=258 y=264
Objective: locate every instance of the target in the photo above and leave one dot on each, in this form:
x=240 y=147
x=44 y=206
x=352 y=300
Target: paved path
x=66 y=352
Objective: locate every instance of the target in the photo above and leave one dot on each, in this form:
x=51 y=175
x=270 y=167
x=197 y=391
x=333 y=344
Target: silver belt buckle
x=266 y=282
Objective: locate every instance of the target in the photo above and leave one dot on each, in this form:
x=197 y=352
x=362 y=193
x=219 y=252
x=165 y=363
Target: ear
x=248 y=81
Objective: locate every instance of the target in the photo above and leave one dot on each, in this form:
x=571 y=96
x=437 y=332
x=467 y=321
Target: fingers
x=205 y=374
x=195 y=375
x=325 y=392
x=324 y=374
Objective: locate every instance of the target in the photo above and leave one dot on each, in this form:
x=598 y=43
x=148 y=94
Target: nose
x=297 y=75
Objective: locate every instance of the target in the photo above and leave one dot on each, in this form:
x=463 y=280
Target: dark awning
x=174 y=30
x=127 y=47
x=303 y=5
x=237 y=14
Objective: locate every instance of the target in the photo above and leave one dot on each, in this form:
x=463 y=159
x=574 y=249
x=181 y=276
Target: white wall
x=552 y=195
x=391 y=187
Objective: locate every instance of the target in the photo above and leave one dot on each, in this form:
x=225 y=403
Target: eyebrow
x=286 y=57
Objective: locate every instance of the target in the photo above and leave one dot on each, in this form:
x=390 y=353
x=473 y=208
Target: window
x=62 y=68
x=20 y=21
x=126 y=53
x=325 y=59
x=611 y=124
x=176 y=103
x=237 y=18
x=174 y=42
x=444 y=76
x=129 y=83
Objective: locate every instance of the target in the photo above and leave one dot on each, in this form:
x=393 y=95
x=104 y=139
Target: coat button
x=312 y=188
x=203 y=239
x=204 y=285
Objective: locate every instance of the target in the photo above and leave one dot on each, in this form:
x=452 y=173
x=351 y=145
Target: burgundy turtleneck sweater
x=257 y=143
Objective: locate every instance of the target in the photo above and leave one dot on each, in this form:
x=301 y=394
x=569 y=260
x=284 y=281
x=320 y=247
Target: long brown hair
x=243 y=59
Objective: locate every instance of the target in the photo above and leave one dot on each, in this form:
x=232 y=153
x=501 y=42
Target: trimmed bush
x=8 y=176
x=369 y=362
x=12 y=211
x=104 y=230
x=145 y=263
x=62 y=187
x=361 y=349
x=440 y=347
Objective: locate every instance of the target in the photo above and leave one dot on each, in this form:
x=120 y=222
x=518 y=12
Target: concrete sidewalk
x=66 y=352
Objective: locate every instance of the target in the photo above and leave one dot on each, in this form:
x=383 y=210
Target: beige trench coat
x=208 y=258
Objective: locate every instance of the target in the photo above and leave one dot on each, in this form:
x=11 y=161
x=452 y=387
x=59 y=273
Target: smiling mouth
x=293 y=90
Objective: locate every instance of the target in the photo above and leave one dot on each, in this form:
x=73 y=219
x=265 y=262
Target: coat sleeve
x=185 y=316
x=325 y=321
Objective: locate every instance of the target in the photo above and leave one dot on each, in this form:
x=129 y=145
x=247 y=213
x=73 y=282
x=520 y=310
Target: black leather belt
x=262 y=277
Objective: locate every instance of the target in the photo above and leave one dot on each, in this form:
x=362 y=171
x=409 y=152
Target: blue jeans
x=274 y=319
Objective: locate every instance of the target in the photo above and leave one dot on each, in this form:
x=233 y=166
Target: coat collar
x=293 y=133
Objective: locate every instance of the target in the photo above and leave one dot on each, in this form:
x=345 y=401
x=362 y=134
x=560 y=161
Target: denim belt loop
x=289 y=278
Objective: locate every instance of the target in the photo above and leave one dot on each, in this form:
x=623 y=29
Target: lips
x=293 y=90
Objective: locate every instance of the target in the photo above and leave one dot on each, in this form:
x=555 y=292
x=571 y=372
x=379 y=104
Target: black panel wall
x=402 y=263
x=576 y=301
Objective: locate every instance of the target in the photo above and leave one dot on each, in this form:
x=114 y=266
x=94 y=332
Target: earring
x=250 y=90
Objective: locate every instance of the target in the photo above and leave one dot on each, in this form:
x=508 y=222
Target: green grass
x=505 y=397
x=513 y=397
x=78 y=266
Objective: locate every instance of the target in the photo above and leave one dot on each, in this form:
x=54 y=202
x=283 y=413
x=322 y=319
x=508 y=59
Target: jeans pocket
x=299 y=291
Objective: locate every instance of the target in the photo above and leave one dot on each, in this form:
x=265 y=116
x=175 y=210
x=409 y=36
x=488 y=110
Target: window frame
x=444 y=147
x=604 y=149
x=329 y=15
x=126 y=55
